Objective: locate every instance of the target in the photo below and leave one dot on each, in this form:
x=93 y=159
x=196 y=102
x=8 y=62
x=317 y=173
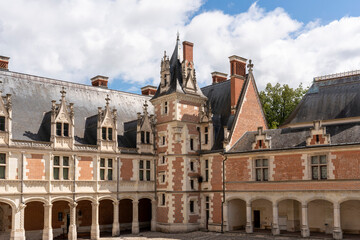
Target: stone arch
x=60 y=220
x=132 y=198
x=151 y=198
x=289 y=198
x=84 y=216
x=106 y=214
x=126 y=213
x=111 y=198
x=65 y=199
x=289 y=214
x=144 y=213
x=36 y=199
x=86 y=198
x=350 y=216
x=315 y=198
x=262 y=212
x=34 y=218
x=7 y=210
x=235 y=198
x=10 y=202
x=236 y=214
x=345 y=199
x=320 y=215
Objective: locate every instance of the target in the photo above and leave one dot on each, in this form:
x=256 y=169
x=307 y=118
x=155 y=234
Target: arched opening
x=34 y=220
x=60 y=221
x=320 y=216
x=5 y=220
x=236 y=214
x=261 y=214
x=125 y=215
x=106 y=217
x=350 y=217
x=144 y=214
x=289 y=215
x=83 y=218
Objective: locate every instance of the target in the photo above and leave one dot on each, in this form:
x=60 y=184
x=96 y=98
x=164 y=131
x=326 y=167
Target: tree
x=279 y=101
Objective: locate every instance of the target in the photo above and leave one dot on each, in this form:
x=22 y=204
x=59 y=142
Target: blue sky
x=289 y=41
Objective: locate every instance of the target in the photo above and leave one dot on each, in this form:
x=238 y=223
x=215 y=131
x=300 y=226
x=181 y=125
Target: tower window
x=206 y=171
x=142 y=137
x=2 y=123
x=58 y=129
x=2 y=165
x=165 y=107
x=106 y=133
x=110 y=134
x=192 y=184
x=191 y=206
x=147 y=137
x=163 y=199
x=66 y=129
x=206 y=135
x=191 y=144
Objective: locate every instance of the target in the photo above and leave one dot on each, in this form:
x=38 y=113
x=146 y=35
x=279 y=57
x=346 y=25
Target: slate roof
x=292 y=138
x=31 y=103
x=329 y=99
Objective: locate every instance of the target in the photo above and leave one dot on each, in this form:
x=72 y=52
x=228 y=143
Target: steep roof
x=31 y=103
x=328 y=99
x=290 y=138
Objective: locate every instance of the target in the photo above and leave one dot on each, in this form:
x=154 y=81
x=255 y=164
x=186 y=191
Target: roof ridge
x=214 y=84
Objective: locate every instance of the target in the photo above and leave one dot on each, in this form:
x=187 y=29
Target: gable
x=249 y=114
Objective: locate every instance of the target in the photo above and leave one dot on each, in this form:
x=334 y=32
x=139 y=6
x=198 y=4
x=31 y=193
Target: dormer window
x=206 y=135
x=107 y=133
x=2 y=123
x=62 y=129
x=165 y=80
x=145 y=137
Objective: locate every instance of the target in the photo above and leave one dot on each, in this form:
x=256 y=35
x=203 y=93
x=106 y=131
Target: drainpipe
x=155 y=163
x=223 y=200
x=22 y=176
x=74 y=175
x=198 y=128
x=117 y=177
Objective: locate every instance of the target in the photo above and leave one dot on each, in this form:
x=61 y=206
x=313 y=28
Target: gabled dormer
x=5 y=119
x=206 y=127
x=62 y=123
x=318 y=135
x=188 y=69
x=145 y=131
x=107 y=128
x=262 y=141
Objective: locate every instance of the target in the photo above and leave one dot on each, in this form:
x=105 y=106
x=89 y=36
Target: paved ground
x=213 y=236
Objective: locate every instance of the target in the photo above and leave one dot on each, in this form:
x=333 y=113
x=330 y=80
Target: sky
x=289 y=42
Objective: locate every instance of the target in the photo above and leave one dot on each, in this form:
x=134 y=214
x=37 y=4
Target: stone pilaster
x=95 y=230
x=337 y=232
x=153 y=215
x=17 y=230
x=72 y=234
x=305 y=232
x=47 y=232
x=135 y=222
x=249 y=226
x=275 y=227
x=116 y=225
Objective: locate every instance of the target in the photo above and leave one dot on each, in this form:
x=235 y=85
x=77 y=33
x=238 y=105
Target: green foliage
x=279 y=102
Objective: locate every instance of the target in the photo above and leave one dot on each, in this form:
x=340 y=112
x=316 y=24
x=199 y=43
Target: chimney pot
x=4 y=63
x=188 y=51
x=148 y=90
x=100 y=81
x=218 y=77
x=237 y=78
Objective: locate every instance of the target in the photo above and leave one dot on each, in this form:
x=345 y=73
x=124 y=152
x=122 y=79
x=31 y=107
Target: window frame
x=144 y=170
x=106 y=169
x=2 y=123
x=106 y=133
x=61 y=168
x=206 y=170
x=319 y=165
x=4 y=165
x=262 y=169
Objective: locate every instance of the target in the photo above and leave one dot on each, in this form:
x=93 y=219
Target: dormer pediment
x=107 y=128
x=318 y=135
x=262 y=141
x=144 y=135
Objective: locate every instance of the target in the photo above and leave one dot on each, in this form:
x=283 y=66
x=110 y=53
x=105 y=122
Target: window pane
x=147 y=164
x=142 y=137
x=148 y=175
x=109 y=174
x=314 y=160
x=207 y=205
x=141 y=175
x=110 y=163
x=66 y=129
x=207 y=198
x=265 y=174
x=206 y=163
x=163 y=199
x=102 y=162
x=58 y=129
x=192 y=166
x=141 y=164
x=2 y=172
x=65 y=161
x=56 y=160
x=191 y=144
x=265 y=162
x=104 y=133
x=147 y=137
x=110 y=133
x=323 y=159
x=163 y=159
x=163 y=140
x=2 y=158
x=315 y=174
x=206 y=129
x=2 y=123
x=323 y=172
x=163 y=178
x=56 y=173
x=258 y=162
x=206 y=175
x=102 y=174
x=191 y=206
x=258 y=174
x=65 y=173
x=206 y=138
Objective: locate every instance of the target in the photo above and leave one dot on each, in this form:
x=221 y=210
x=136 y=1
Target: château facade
x=176 y=158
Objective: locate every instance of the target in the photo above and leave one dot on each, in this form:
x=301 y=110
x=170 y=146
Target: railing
x=31 y=144
x=83 y=147
x=337 y=75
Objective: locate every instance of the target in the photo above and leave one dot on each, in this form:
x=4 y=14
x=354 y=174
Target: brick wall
x=178 y=208
x=35 y=167
x=288 y=167
x=86 y=169
x=237 y=169
x=126 y=169
x=347 y=165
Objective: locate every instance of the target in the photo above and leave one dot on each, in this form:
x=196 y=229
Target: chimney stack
x=4 y=63
x=218 y=77
x=148 y=90
x=237 y=78
x=188 y=51
x=100 y=81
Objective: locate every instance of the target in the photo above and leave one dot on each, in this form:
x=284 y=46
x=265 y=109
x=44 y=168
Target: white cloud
x=75 y=40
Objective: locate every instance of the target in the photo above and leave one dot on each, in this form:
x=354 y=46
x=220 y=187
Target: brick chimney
x=218 y=77
x=148 y=90
x=237 y=78
x=4 y=63
x=188 y=51
x=100 y=81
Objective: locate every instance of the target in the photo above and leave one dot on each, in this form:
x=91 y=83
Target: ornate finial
x=145 y=107
x=107 y=99
x=250 y=65
x=63 y=92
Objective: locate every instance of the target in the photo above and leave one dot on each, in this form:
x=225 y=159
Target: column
x=225 y=209
x=116 y=225
x=153 y=215
x=135 y=222
x=249 y=227
x=337 y=232
x=95 y=221
x=275 y=226
x=17 y=225
x=72 y=234
x=47 y=232
x=305 y=232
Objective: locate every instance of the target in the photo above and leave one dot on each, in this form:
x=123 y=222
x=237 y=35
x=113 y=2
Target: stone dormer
x=262 y=141
x=62 y=123
x=107 y=128
x=318 y=135
x=206 y=127
x=5 y=119
x=145 y=131
x=188 y=69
